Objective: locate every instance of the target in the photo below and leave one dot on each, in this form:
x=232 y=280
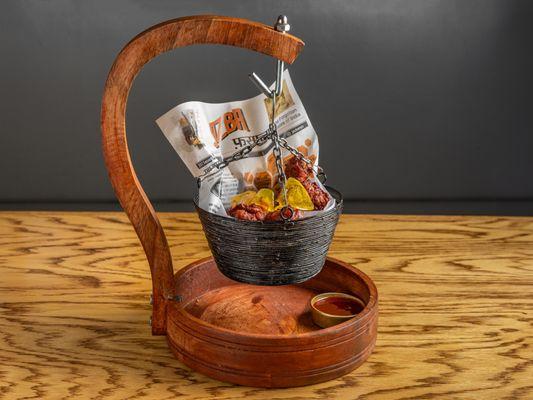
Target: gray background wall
x=421 y=105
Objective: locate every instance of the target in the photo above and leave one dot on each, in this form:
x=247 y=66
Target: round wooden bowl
x=264 y=336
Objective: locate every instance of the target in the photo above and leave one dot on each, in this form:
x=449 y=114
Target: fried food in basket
x=276 y=215
x=264 y=198
x=248 y=212
x=298 y=169
x=319 y=197
x=297 y=196
x=252 y=206
x=303 y=194
x=243 y=198
x=303 y=172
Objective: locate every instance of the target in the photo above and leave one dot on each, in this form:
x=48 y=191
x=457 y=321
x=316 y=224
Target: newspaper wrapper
x=203 y=133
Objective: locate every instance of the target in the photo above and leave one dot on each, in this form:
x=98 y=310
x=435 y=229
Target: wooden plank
x=456 y=309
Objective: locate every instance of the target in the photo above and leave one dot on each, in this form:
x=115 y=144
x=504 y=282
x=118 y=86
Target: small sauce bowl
x=330 y=309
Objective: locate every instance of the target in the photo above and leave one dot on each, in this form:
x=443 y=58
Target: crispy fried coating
x=319 y=197
x=248 y=212
x=298 y=169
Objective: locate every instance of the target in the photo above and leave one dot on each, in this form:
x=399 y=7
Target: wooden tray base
x=280 y=310
x=264 y=336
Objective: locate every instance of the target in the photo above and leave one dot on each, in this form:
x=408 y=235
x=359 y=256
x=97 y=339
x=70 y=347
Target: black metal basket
x=271 y=253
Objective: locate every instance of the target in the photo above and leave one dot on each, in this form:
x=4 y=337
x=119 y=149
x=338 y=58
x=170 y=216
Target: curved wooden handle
x=158 y=39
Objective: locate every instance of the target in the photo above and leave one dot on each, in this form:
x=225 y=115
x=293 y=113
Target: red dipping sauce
x=341 y=306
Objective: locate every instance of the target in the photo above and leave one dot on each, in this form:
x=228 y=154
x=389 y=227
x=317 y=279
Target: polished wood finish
x=264 y=336
x=181 y=32
x=455 y=309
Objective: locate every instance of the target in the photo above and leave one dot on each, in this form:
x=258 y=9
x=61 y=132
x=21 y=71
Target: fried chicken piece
x=298 y=169
x=276 y=215
x=319 y=197
x=248 y=212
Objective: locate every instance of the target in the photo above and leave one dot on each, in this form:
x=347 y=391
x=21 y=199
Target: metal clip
x=278 y=86
x=260 y=84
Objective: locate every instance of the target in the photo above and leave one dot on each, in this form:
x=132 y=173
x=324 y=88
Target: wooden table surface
x=456 y=309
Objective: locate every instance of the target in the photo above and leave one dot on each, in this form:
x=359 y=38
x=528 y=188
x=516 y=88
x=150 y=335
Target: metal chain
x=295 y=152
x=272 y=134
x=238 y=155
x=276 y=151
x=259 y=140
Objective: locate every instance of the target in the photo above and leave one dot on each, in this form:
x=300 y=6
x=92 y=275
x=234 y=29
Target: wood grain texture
x=181 y=32
x=260 y=336
x=456 y=309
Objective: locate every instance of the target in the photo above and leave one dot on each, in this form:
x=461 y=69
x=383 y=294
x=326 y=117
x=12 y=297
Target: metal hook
x=281 y=26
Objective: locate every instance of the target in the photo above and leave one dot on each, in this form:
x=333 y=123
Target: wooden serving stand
x=251 y=335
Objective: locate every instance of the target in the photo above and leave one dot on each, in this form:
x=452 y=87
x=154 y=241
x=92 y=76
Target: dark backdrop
x=420 y=105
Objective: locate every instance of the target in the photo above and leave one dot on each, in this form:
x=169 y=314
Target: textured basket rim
x=332 y=191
